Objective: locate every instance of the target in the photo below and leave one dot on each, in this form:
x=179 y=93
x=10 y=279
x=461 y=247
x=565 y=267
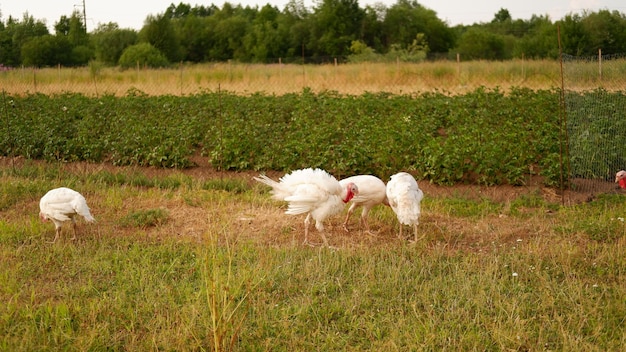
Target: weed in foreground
x=145 y=218
x=227 y=287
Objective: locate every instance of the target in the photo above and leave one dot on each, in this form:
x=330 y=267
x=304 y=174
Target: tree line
x=331 y=30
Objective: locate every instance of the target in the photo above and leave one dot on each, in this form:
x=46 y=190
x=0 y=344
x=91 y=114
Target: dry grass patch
x=397 y=78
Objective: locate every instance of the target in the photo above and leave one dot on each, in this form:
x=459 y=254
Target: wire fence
x=595 y=113
x=280 y=78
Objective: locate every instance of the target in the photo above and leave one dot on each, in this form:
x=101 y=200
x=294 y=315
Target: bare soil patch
x=267 y=225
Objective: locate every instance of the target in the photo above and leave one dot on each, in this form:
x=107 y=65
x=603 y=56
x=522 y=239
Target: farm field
x=189 y=253
x=202 y=260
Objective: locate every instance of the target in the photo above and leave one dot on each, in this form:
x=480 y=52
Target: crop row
x=485 y=136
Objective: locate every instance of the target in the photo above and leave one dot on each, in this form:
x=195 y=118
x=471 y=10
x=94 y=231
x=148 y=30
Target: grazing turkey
x=313 y=192
x=372 y=192
x=404 y=197
x=63 y=204
x=620 y=178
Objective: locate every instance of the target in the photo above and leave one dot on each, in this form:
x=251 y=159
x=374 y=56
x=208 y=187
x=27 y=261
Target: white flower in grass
x=64 y=108
x=620 y=219
x=514 y=274
x=595 y=286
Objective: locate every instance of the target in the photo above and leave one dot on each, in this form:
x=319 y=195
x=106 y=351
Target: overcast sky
x=131 y=14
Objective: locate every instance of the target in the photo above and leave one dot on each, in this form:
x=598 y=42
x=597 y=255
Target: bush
x=144 y=55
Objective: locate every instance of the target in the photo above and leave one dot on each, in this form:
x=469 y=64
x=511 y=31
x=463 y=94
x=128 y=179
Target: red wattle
x=622 y=183
x=350 y=194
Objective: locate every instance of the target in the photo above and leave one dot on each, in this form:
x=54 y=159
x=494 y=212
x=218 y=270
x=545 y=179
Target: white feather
x=309 y=191
x=404 y=198
x=63 y=204
x=372 y=192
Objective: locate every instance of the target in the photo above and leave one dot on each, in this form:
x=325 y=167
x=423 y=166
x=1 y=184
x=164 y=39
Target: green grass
x=557 y=284
x=145 y=218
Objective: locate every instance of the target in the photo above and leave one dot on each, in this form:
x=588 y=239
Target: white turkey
x=63 y=204
x=372 y=192
x=404 y=197
x=314 y=192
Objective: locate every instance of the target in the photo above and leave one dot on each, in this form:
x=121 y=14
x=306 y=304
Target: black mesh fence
x=595 y=115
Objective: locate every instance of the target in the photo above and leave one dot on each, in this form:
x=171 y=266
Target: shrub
x=144 y=55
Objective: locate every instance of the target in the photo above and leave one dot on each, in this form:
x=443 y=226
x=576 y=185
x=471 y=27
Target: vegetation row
x=485 y=136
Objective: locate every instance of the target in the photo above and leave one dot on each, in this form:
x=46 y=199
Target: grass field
x=199 y=260
x=400 y=78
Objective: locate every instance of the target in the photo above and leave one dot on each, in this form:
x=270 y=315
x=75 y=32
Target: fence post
x=600 y=63
x=181 y=78
x=523 y=68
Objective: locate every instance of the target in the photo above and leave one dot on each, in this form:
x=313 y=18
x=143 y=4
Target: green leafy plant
x=145 y=218
x=486 y=136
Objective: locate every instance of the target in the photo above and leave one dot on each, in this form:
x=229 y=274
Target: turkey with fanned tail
x=314 y=192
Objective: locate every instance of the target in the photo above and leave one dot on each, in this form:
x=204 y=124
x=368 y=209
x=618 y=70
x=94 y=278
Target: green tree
x=193 y=32
x=360 y=52
x=294 y=26
x=142 y=55
x=415 y=19
x=228 y=26
x=74 y=31
x=334 y=25
x=574 y=37
x=605 y=30
x=540 y=41
x=372 y=27
x=73 y=28
x=502 y=16
x=159 y=32
x=21 y=32
x=110 y=42
x=46 y=50
x=264 y=40
x=6 y=44
x=479 y=44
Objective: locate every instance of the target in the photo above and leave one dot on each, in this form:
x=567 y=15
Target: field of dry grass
x=399 y=78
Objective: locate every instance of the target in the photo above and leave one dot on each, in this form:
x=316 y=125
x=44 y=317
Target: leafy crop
x=485 y=136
